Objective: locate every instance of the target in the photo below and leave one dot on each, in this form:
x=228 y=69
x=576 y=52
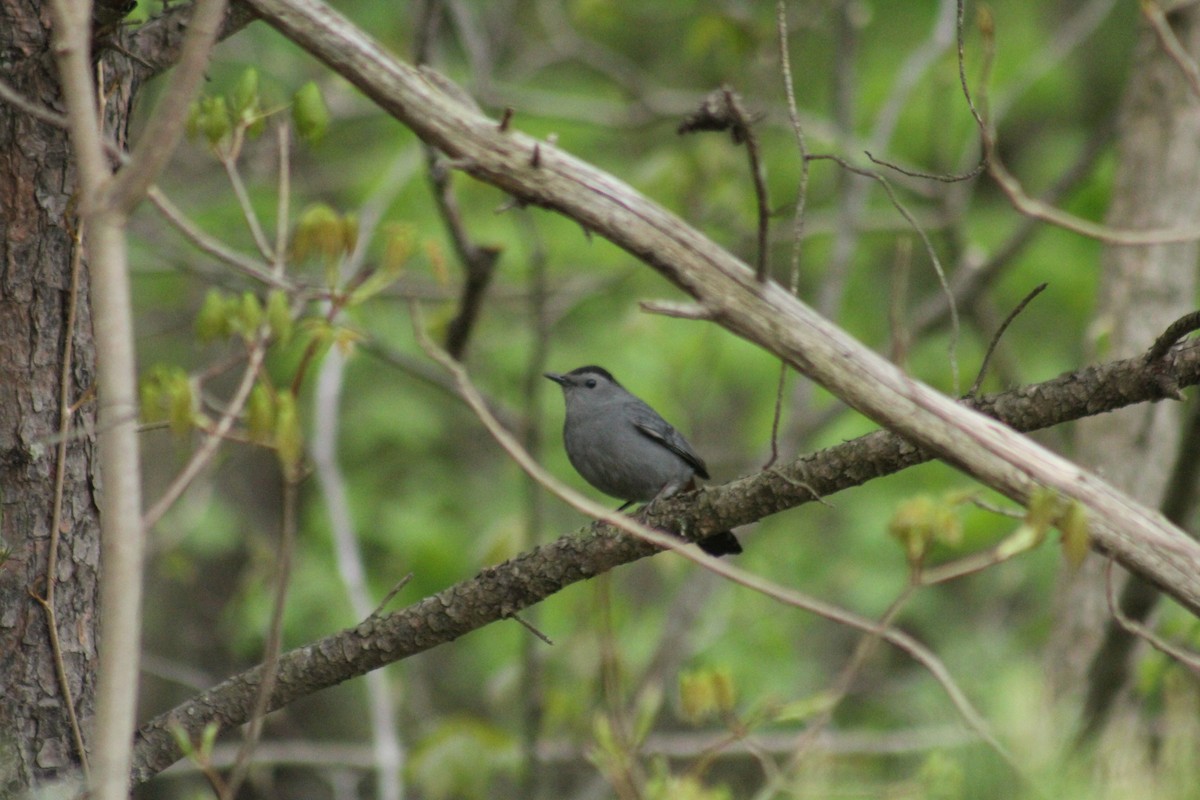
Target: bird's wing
x=651 y=425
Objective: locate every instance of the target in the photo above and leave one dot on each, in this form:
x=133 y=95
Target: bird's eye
x=590 y=383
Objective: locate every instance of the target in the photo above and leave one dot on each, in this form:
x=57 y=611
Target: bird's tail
x=721 y=544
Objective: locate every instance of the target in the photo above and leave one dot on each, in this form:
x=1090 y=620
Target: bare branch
x=274 y=640
x=1174 y=332
x=212 y=245
x=66 y=410
x=764 y=314
x=539 y=573
x=167 y=121
x=1012 y=315
x=156 y=44
x=1189 y=660
x=1170 y=43
x=722 y=110
x=121 y=537
x=203 y=454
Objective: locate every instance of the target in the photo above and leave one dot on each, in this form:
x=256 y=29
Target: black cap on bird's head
x=580 y=372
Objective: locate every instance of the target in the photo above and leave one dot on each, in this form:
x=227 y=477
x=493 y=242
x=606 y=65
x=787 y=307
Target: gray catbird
x=625 y=449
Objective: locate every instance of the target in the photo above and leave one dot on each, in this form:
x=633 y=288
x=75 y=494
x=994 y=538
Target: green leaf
x=150 y=394
x=250 y=315
x=182 y=409
x=289 y=440
x=1076 y=539
x=399 y=239
x=279 y=316
x=1043 y=509
x=806 y=708
x=920 y=521
x=167 y=395
x=182 y=740
x=706 y=693
x=210 y=118
x=213 y=322
x=322 y=232
x=208 y=740
x=309 y=113
x=245 y=95
x=260 y=414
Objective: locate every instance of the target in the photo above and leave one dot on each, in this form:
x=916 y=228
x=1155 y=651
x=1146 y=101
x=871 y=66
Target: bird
x=624 y=448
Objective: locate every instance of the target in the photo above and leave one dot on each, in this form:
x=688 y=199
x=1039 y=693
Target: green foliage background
x=432 y=495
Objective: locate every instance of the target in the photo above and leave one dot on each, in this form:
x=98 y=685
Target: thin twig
x=749 y=580
x=1187 y=659
x=777 y=415
x=529 y=626
x=212 y=245
x=387 y=598
x=785 y=68
x=962 y=73
x=987 y=356
x=984 y=131
x=841 y=688
x=1045 y=212
x=478 y=261
x=65 y=413
x=970 y=564
x=722 y=110
x=208 y=448
x=531 y=689
x=758 y=174
x=39 y=112
x=122 y=542
x=165 y=125
x=1153 y=12
x=229 y=162
x=283 y=201
x=941 y=177
x=1175 y=331
x=929 y=249
x=274 y=644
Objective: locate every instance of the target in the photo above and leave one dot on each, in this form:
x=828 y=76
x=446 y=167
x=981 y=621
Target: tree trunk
x=1143 y=289
x=37 y=213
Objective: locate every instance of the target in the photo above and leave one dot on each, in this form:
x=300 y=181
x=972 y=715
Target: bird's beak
x=561 y=380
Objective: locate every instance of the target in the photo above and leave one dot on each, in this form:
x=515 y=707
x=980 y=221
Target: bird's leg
x=670 y=489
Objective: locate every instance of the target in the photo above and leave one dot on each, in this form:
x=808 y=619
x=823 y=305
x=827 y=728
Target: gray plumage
x=624 y=448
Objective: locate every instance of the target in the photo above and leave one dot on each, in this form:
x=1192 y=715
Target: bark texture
x=36 y=208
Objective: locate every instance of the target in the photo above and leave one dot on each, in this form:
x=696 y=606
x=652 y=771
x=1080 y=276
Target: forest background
x=1007 y=673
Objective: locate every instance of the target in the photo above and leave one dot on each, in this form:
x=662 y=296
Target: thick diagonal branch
x=498 y=592
x=539 y=173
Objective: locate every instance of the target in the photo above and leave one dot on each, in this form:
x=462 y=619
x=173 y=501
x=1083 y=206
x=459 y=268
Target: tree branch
x=155 y=46
x=166 y=123
x=121 y=539
x=1138 y=537
x=497 y=592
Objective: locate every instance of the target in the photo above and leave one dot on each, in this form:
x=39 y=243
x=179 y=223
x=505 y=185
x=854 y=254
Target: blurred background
x=663 y=680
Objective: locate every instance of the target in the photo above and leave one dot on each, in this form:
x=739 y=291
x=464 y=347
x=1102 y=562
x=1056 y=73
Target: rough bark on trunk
x=37 y=212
